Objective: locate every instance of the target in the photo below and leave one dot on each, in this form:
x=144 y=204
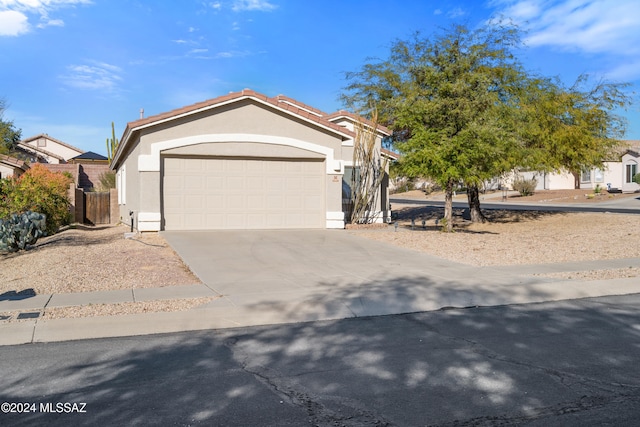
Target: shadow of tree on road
x=559 y=363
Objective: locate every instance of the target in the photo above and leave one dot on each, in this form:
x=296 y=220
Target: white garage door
x=225 y=193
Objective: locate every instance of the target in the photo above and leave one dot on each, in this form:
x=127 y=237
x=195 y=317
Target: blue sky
x=70 y=67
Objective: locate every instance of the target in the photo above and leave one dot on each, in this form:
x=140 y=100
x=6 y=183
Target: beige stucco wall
x=242 y=149
x=5 y=171
x=242 y=117
x=55 y=148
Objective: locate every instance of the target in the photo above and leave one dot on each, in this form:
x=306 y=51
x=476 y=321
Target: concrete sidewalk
x=445 y=285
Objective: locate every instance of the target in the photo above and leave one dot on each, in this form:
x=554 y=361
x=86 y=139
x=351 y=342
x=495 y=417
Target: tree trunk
x=473 y=195
x=448 y=208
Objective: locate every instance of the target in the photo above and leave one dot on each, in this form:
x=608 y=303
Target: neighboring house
x=11 y=167
x=46 y=149
x=240 y=161
x=614 y=175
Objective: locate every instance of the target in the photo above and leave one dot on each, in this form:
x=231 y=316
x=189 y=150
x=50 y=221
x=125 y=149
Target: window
x=631 y=171
x=348 y=181
x=42 y=142
x=598 y=175
x=585 y=176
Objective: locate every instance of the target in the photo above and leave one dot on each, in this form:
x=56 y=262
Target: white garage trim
x=151 y=162
x=335 y=220
x=149 y=221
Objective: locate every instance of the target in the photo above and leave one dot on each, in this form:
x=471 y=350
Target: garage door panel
x=225 y=193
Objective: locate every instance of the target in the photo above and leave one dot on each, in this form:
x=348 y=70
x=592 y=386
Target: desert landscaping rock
x=87 y=259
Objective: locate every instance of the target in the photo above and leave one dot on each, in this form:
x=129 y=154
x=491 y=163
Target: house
x=616 y=174
x=239 y=161
x=11 y=167
x=46 y=149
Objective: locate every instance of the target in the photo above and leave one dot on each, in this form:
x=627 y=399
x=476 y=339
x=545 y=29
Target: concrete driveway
x=281 y=276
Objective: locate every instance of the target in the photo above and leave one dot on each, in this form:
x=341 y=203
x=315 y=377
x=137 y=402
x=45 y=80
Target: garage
x=214 y=193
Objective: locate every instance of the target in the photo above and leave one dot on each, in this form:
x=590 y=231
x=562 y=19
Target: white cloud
x=233 y=54
x=15 y=14
x=437 y=12
x=456 y=13
x=591 y=26
x=13 y=23
x=93 y=76
x=51 y=23
x=253 y=5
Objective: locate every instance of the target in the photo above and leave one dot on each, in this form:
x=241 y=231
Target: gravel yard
x=512 y=237
x=93 y=259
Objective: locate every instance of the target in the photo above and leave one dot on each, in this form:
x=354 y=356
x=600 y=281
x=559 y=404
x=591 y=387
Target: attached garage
x=242 y=193
x=239 y=161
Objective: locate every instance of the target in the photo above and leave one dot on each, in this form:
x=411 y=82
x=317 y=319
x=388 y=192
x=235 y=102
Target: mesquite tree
x=463 y=110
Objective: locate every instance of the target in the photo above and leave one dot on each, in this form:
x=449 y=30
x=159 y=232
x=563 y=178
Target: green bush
x=37 y=190
x=526 y=187
x=636 y=178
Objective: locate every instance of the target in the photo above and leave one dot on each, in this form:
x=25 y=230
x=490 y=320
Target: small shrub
x=37 y=190
x=636 y=178
x=526 y=187
x=19 y=231
x=598 y=189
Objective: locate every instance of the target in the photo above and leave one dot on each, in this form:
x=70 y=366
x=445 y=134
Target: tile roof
x=14 y=162
x=281 y=102
x=354 y=117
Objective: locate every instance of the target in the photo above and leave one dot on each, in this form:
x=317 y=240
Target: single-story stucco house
x=239 y=161
x=615 y=174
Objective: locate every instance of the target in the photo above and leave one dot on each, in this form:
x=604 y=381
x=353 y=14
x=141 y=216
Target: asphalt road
x=572 y=363
x=630 y=206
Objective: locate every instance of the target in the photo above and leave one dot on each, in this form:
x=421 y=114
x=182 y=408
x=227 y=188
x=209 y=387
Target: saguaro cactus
x=112 y=143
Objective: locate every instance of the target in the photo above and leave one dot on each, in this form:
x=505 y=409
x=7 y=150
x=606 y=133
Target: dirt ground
x=515 y=237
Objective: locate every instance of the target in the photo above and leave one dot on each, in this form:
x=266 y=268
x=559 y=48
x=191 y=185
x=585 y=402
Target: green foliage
x=9 y=135
x=38 y=190
x=570 y=128
x=526 y=187
x=107 y=180
x=448 y=100
x=112 y=144
x=598 y=189
x=19 y=231
x=636 y=178
x=463 y=109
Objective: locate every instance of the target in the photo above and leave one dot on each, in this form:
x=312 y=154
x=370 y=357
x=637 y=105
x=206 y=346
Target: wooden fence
x=97 y=208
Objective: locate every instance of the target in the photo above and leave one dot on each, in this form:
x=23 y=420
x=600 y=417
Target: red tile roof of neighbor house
x=12 y=161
